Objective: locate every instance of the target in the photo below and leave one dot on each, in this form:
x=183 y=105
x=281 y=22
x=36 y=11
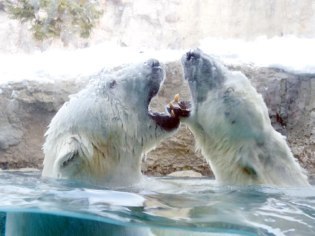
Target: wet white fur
x=106 y=131
x=233 y=130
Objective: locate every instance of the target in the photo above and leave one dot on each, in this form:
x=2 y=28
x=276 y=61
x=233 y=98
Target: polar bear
x=231 y=125
x=100 y=134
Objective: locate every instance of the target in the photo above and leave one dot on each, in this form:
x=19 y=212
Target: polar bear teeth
x=171 y=106
x=176 y=98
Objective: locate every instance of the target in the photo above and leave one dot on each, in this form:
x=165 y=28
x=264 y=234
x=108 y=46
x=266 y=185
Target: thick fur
x=100 y=135
x=230 y=122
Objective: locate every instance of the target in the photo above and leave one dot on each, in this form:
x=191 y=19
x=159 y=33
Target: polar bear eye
x=112 y=84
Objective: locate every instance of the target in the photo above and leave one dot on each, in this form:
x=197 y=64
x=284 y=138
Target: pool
x=30 y=205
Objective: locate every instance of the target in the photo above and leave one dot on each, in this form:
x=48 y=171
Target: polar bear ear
x=249 y=171
x=68 y=161
x=68 y=158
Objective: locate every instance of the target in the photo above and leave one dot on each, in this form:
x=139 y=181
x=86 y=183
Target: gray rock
x=27 y=108
x=9 y=136
x=185 y=173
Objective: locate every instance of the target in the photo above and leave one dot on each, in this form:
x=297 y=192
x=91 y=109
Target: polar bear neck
x=270 y=162
x=259 y=156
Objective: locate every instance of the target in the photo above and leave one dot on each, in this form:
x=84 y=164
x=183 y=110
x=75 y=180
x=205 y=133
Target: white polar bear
x=230 y=122
x=99 y=136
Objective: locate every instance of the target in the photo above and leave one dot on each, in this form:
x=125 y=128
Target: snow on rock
x=64 y=64
x=290 y=53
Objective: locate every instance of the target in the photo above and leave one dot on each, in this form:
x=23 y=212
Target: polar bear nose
x=153 y=63
x=193 y=54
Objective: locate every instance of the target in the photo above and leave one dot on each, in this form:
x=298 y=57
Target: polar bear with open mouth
x=231 y=125
x=100 y=135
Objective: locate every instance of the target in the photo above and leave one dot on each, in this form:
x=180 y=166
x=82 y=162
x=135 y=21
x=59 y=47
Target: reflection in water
x=158 y=206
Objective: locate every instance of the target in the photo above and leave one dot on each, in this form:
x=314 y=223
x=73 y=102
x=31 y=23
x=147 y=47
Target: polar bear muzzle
x=156 y=77
x=202 y=73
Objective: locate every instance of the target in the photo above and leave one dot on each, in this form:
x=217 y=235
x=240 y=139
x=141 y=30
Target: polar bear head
x=132 y=85
x=101 y=133
x=203 y=75
x=223 y=100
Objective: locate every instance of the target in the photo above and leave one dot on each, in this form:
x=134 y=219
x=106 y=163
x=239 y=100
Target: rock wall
x=182 y=23
x=177 y=24
x=27 y=108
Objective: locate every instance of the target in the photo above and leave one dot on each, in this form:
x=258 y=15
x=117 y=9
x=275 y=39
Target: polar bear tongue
x=164 y=120
x=170 y=121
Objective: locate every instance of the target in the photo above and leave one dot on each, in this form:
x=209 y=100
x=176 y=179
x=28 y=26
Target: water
x=158 y=206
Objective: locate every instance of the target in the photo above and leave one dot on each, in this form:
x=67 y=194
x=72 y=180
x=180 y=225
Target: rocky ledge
x=28 y=106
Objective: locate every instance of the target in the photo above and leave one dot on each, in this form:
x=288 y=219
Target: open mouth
x=165 y=120
x=170 y=119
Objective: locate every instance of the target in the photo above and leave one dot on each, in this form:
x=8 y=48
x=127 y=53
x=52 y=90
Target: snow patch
x=290 y=53
x=72 y=64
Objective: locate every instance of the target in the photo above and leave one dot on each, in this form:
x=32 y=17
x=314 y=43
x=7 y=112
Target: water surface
x=158 y=206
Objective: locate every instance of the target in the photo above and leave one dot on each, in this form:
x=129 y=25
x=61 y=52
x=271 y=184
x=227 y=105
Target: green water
x=157 y=206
